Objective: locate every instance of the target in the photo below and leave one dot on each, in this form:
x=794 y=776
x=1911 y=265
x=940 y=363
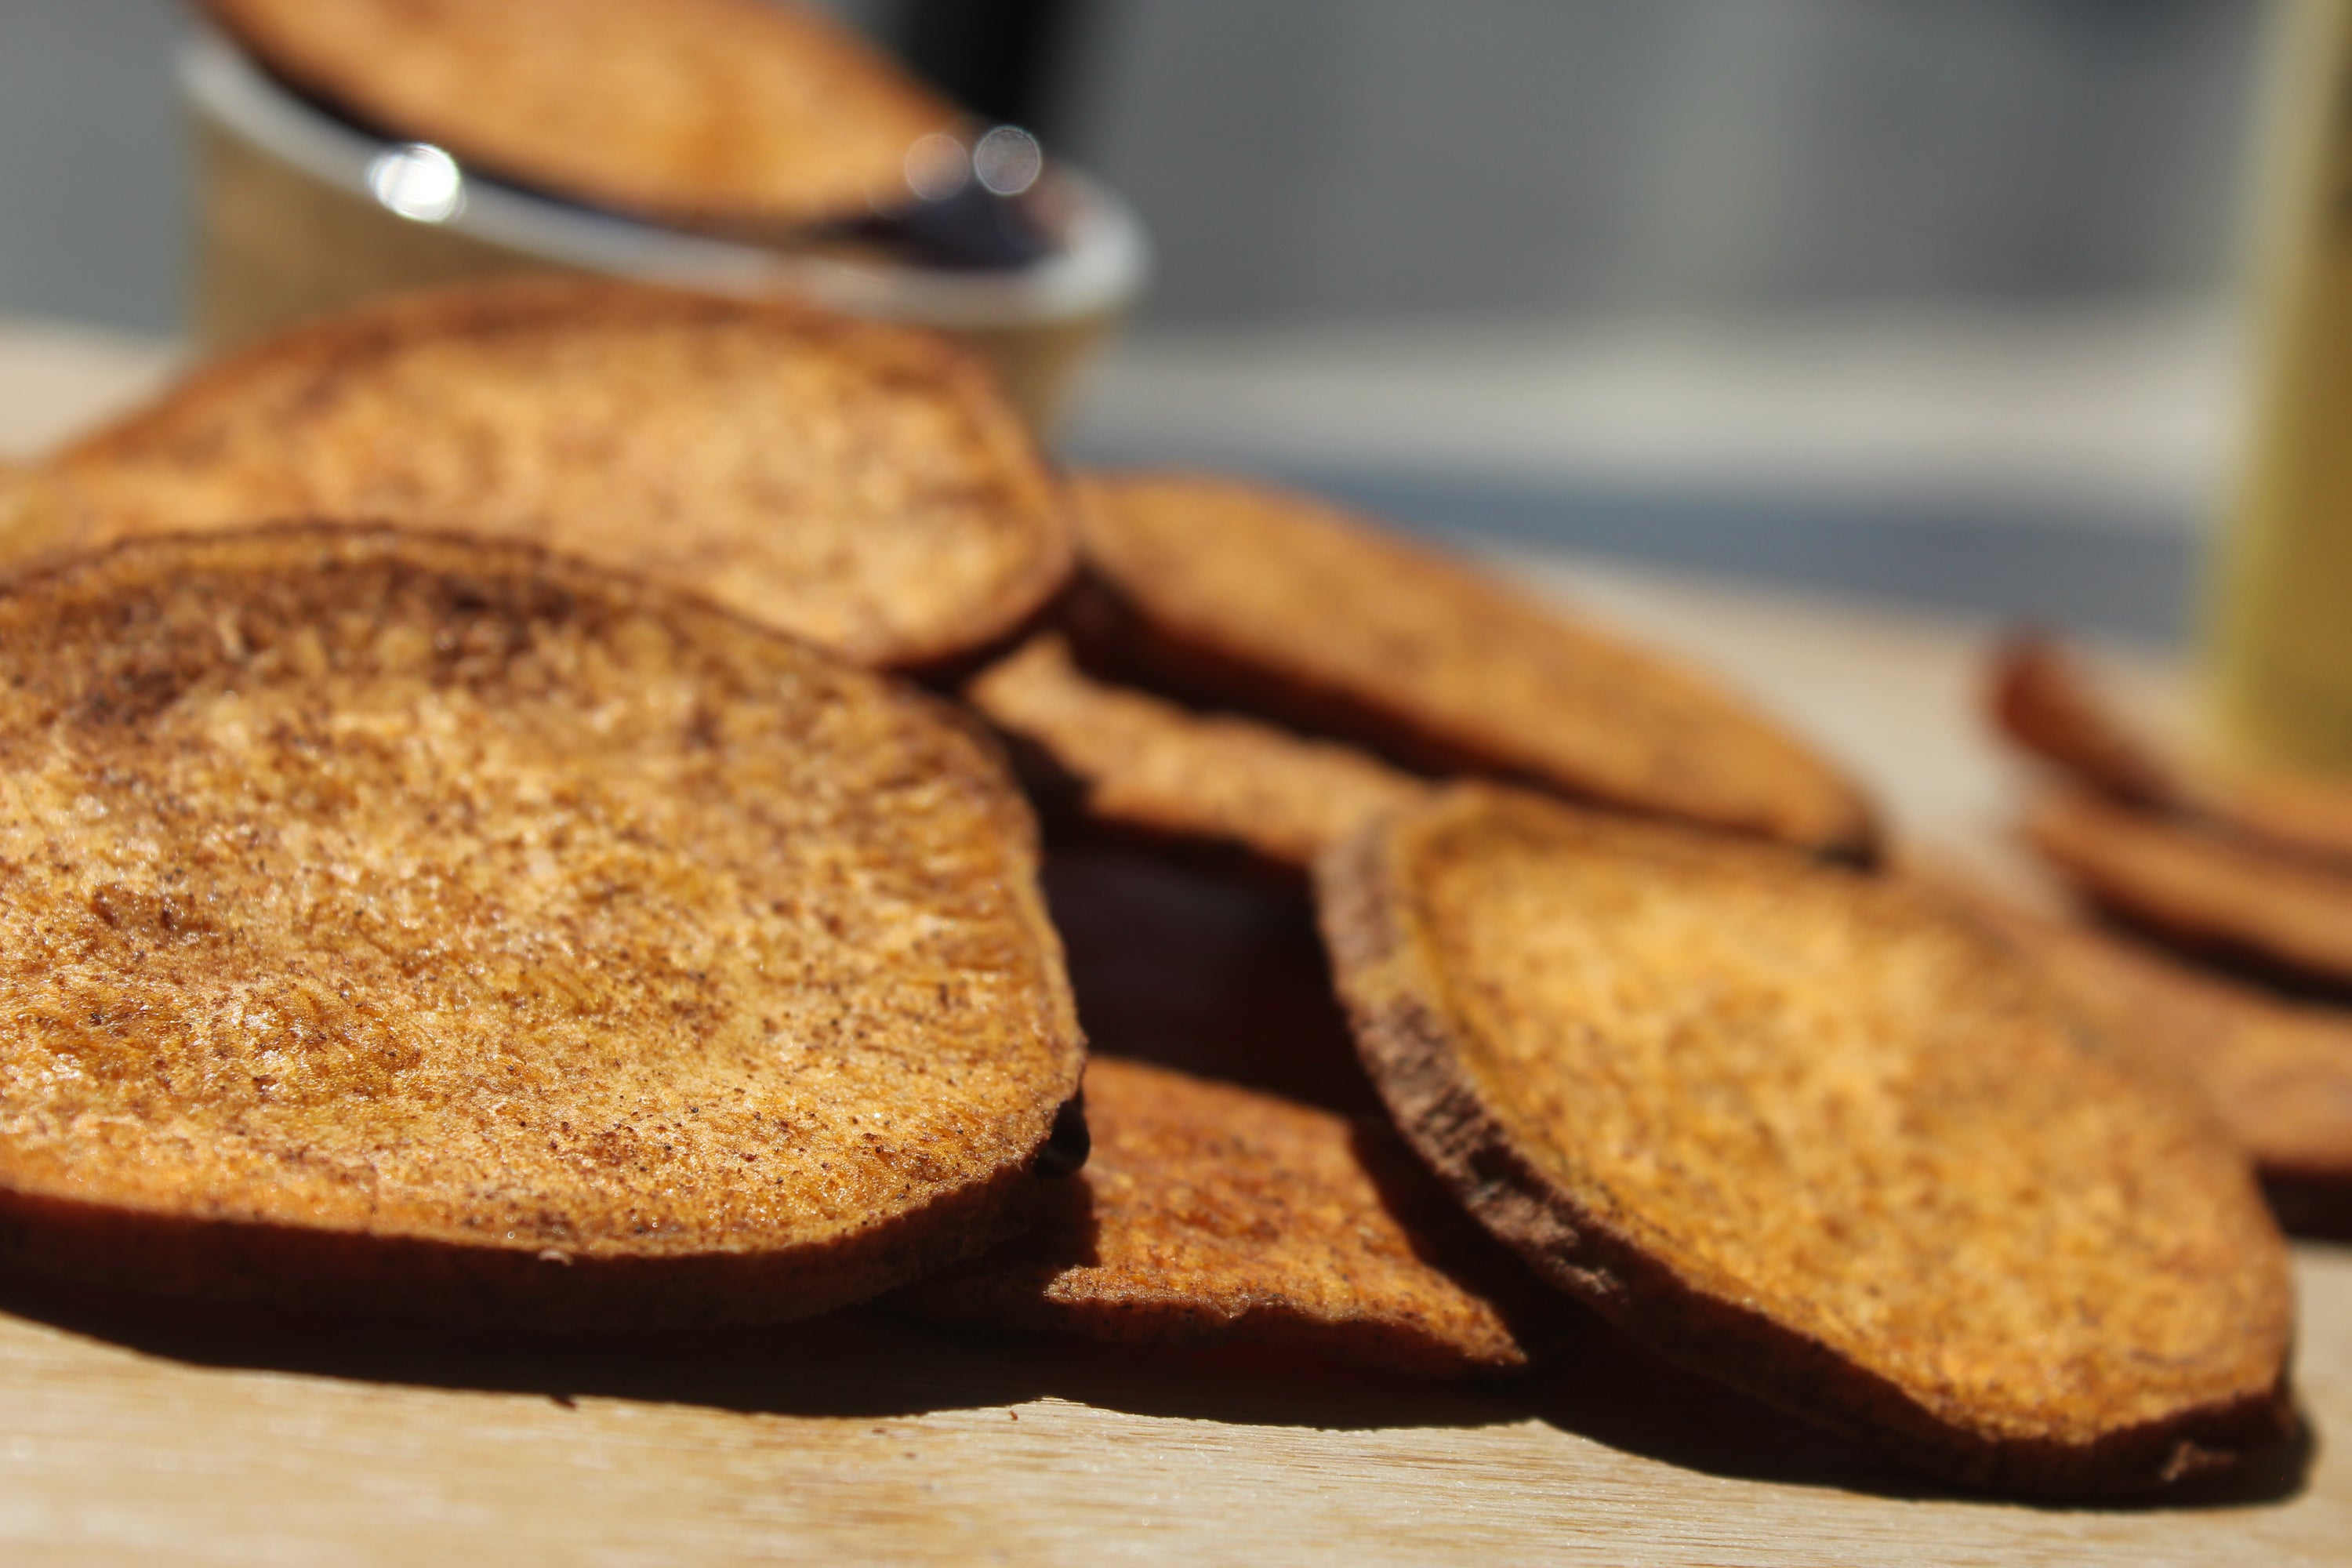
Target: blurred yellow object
x=2280 y=627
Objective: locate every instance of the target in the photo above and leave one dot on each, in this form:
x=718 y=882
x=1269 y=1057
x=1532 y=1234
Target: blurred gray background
x=1324 y=158
x=1929 y=298
x=1352 y=156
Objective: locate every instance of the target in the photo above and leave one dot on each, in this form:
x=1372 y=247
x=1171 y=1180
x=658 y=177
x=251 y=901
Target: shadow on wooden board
x=1617 y=1391
x=869 y=1363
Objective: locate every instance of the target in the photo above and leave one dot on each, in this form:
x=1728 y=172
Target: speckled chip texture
x=1140 y=763
x=730 y=113
x=2194 y=884
x=1261 y=599
x=432 y=926
x=1209 y=1213
x=1811 y=1133
x=2277 y=1072
x=858 y=485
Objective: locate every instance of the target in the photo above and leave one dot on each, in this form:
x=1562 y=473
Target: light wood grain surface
x=158 y=1436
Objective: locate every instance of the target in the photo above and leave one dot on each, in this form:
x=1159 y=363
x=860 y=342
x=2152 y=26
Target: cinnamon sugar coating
x=1207 y=1213
x=435 y=926
x=1139 y=762
x=858 y=485
x=1810 y=1132
x=1262 y=600
x=2278 y=1072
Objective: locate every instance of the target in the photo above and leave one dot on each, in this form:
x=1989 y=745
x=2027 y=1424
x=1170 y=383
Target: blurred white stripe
x=2119 y=413
x=56 y=378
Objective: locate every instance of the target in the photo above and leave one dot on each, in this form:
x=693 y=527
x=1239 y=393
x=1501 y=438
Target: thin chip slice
x=2047 y=703
x=2278 y=1073
x=1150 y=768
x=1210 y=1213
x=1241 y=596
x=432 y=926
x=1808 y=1132
x=2199 y=887
x=860 y=486
x=732 y=113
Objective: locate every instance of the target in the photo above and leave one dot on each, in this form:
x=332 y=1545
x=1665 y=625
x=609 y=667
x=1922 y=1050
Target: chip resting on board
x=432 y=926
x=1210 y=1213
x=1818 y=1135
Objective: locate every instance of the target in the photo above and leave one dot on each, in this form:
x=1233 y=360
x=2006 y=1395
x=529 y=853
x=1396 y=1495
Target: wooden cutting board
x=858 y=1440
x=164 y=1439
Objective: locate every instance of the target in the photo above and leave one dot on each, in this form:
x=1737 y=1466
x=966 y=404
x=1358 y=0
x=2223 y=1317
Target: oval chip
x=2199 y=885
x=2053 y=707
x=435 y=926
x=1240 y=596
x=1813 y=1134
x=858 y=485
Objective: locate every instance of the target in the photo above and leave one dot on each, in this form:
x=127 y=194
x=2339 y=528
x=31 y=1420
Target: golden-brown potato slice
x=2277 y=1072
x=1148 y=768
x=1807 y=1130
x=1242 y=597
x=1210 y=1213
x=860 y=486
x=429 y=925
x=2048 y=704
x=2199 y=885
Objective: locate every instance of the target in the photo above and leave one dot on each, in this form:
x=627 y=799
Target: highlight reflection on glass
x=968 y=210
x=419 y=182
x=1007 y=161
x=938 y=166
